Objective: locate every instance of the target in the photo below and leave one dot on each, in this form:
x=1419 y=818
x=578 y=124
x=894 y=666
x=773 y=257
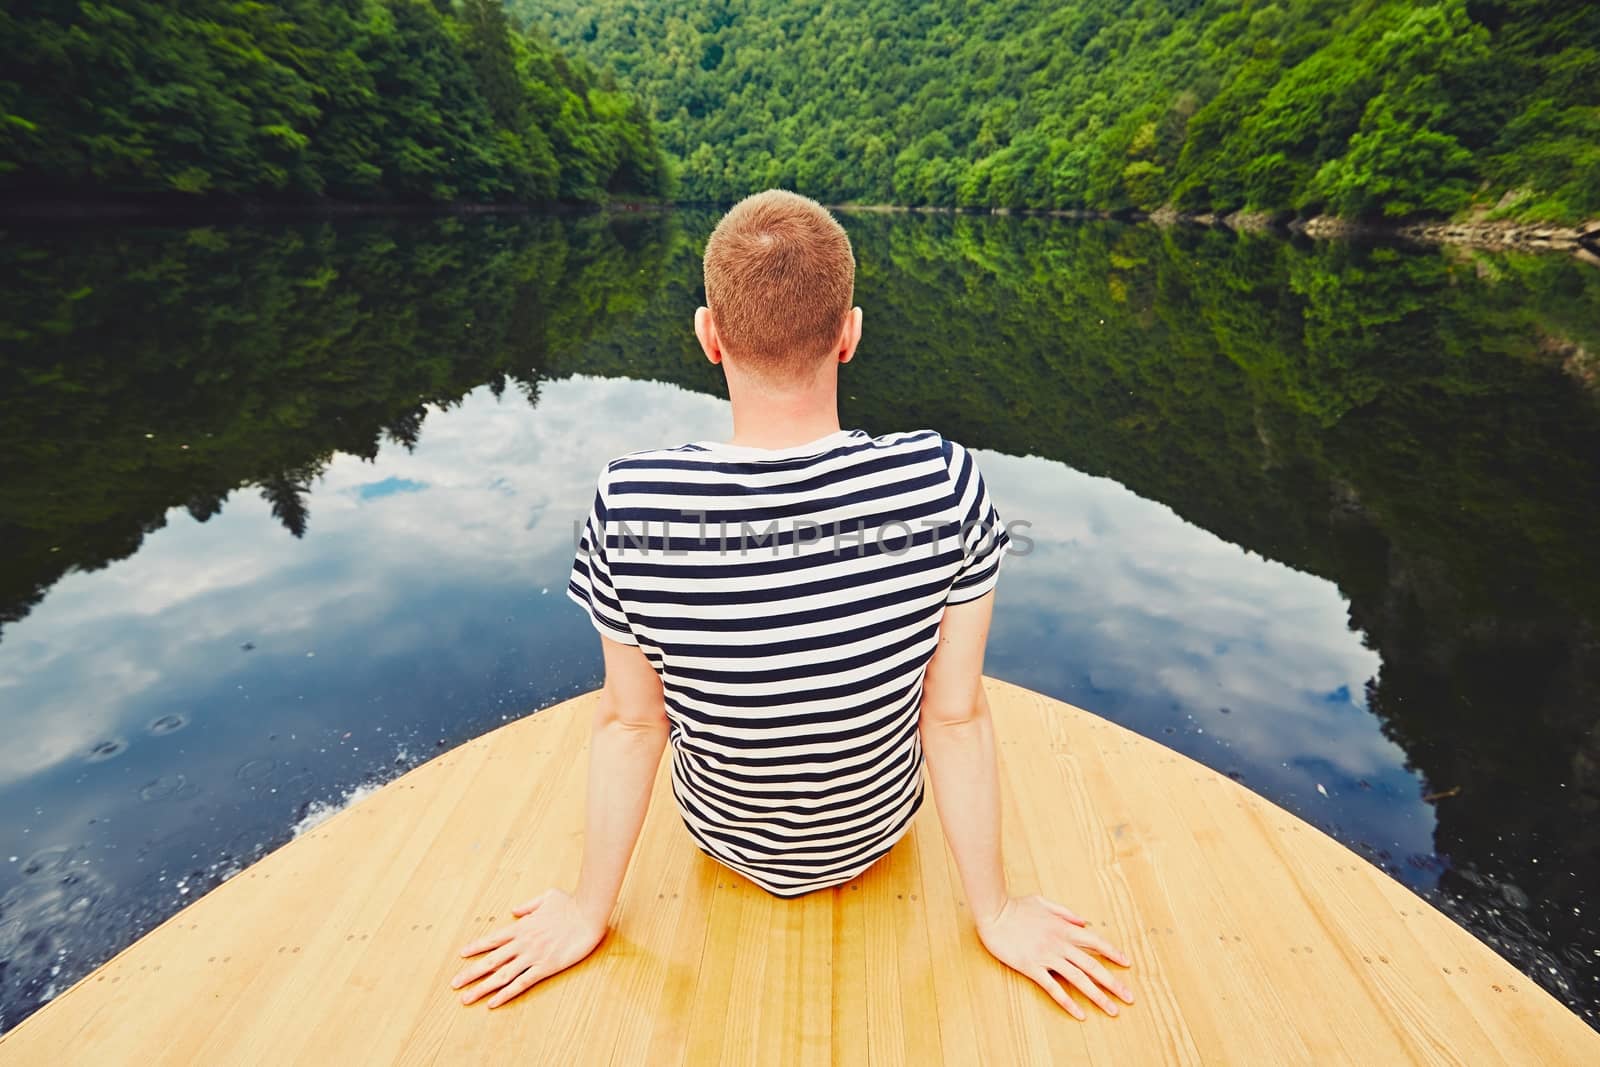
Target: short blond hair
x=779 y=276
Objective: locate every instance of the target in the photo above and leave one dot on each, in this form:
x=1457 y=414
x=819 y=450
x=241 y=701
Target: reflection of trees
x=406 y=428
x=286 y=491
x=1389 y=420
x=148 y=369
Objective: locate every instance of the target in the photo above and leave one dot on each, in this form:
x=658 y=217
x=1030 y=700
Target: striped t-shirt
x=790 y=600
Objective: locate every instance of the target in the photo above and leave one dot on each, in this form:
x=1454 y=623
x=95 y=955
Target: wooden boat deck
x=1256 y=939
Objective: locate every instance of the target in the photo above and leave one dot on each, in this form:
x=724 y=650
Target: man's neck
x=764 y=417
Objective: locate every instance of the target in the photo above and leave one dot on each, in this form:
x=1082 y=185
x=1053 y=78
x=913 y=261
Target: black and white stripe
x=790 y=599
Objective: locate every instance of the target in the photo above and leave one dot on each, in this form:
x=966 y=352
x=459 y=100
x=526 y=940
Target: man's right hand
x=1035 y=936
x=551 y=934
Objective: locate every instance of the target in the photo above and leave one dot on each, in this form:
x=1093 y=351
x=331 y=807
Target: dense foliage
x=1372 y=108
x=351 y=99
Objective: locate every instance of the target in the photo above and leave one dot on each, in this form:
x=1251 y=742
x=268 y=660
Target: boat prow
x=1255 y=938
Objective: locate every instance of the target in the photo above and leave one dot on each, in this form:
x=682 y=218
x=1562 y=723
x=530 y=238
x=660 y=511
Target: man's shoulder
x=920 y=444
x=928 y=446
x=925 y=437
x=954 y=453
x=645 y=458
x=630 y=465
x=662 y=452
x=696 y=452
x=909 y=445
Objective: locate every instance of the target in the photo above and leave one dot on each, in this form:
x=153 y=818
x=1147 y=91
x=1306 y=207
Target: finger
x=499 y=979
x=1065 y=912
x=1048 y=983
x=1096 y=970
x=528 y=906
x=523 y=983
x=478 y=968
x=489 y=941
x=1094 y=942
x=1085 y=985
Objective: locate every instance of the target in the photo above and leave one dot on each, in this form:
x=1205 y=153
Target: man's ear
x=851 y=336
x=706 y=331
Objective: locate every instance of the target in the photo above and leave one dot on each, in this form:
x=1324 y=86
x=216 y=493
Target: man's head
x=779 y=276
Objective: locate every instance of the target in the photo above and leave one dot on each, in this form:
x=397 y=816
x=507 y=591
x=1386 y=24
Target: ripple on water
x=48 y=860
x=256 y=770
x=301 y=781
x=108 y=749
x=163 y=788
x=10 y=937
x=168 y=724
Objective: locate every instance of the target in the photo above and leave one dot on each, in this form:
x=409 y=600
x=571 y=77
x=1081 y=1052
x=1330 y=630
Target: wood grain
x=1255 y=938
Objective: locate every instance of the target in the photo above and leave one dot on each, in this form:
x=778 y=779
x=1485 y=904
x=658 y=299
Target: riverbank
x=1481 y=233
x=1499 y=234
x=1496 y=234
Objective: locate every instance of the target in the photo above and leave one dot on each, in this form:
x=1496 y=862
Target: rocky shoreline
x=1582 y=241
x=1495 y=234
x=1485 y=234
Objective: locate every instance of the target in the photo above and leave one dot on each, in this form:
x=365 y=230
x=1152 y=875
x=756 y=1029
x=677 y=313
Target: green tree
x=355 y=99
x=1208 y=105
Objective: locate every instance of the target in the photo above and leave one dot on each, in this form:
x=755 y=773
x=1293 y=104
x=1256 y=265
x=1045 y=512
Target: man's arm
x=555 y=930
x=1032 y=935
x=630 y=733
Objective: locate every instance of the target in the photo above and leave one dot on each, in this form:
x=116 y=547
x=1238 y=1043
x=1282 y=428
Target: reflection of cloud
x=1124 y=607
x=458 y=507
x=423 y=606
x=1121 y=607
x=64 y=725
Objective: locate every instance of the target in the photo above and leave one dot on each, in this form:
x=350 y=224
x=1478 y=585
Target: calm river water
x=288 y=509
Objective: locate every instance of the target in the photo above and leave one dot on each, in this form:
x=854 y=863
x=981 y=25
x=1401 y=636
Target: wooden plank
x=958 y=1019
x=1255 y=937
x=848 y=985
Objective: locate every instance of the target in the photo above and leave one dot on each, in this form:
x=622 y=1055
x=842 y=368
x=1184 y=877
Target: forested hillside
x=1374 y=108
x=349 y=99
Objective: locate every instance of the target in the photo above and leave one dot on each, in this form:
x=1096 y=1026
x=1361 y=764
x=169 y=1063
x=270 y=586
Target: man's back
x=804 y=624
x=790 y=600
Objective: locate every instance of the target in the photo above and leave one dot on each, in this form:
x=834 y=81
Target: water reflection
x=288 y=510
x=1242 y=663
x=409 y=621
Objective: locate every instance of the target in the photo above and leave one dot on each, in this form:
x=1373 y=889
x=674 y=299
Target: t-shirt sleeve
x=590 y=584
x=983 y=535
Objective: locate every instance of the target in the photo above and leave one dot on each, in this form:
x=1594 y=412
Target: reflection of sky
x=482 y=508
x=168 y=716
x=387 y=486
x=1123 y=608
x=230 y=675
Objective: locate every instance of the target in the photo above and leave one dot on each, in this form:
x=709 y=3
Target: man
x=802 y=612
